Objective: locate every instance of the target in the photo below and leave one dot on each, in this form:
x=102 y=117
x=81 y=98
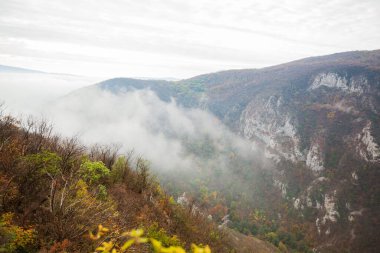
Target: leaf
x=126 y=245
x=136 y=233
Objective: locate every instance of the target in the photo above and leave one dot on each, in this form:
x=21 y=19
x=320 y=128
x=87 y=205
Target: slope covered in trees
x=54 y=190
x=317 y=119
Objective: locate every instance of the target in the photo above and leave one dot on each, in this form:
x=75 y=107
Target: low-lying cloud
x=28 y=93
x=162 y=132
x=170 y=136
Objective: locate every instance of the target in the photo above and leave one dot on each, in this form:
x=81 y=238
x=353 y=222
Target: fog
x=170 y=136
x=164 y=133
x=28 y=93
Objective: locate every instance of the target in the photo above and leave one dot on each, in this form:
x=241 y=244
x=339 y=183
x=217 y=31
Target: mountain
x=53 y=192
x=318 y=121
x=9 y=69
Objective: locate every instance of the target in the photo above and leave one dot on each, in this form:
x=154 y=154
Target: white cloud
x=139 y=120
x=179 y=38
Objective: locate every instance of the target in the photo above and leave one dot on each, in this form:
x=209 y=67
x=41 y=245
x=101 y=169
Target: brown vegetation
x=59 y=190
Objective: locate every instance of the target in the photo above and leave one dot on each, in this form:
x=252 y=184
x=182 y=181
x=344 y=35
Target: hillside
x=53 y=191
x=317 y=120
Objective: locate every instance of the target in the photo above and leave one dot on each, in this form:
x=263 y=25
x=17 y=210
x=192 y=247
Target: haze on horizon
x=179 y=39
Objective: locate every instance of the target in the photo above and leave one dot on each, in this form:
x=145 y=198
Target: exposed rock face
x=281 y=186
x=322 y=114
x=356 y=84
x=329 y=124
x=367 y=148
x=266 y=121
x=274 y=121
x=314 y=159
x=330 y=208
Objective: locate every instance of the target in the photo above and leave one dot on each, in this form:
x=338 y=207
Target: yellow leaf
x=157 y=245
x=136 y=233
x=94 y=237
x=103 y=229
x=142 y=240
x=126 y=245
x=106 y=247
x=197 y=249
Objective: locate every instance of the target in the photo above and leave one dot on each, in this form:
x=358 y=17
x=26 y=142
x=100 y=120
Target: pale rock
x=297 y=203
x=355 y=84
x=281 y=186
x=314 y=158
x=354 y=176
x=268 y=154
x=368 y=149
x=265 y=120
x=183 y=200
x=318 y=225
x=309 y=202
x=330 y=207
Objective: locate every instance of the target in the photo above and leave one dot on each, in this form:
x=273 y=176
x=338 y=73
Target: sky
x=176 y=38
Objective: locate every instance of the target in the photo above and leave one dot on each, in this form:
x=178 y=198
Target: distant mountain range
x=9 y=69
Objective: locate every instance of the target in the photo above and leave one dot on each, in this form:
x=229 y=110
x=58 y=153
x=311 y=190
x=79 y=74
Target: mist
x=167 y=134
x=28 y=93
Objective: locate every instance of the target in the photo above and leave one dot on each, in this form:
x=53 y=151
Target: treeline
x=54 y=190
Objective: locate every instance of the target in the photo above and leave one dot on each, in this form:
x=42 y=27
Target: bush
x=14 y=238
x=135 y=237
x=161 y=235
x=92 y=172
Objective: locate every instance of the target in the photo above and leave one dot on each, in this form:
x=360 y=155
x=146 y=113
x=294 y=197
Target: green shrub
x=161 y=235
x=92 y=172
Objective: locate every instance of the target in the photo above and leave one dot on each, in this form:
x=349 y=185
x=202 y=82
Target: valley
x=288 y=154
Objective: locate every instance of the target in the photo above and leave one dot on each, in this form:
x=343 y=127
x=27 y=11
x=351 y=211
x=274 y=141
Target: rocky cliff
x=320 y=114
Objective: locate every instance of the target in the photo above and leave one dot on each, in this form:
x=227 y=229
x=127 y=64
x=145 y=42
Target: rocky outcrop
x=321 y=114
x=356 y=84
x=265 y=120
x=367 y=148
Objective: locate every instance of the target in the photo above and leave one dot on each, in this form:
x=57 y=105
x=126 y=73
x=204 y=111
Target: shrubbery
x=53 y=190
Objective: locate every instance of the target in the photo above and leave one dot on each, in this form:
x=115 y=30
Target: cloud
x=29 y=93
x=170 y=136
x=179 y=38
x=164 y=133
x=182 y=144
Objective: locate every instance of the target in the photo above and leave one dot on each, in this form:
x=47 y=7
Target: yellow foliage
x=135 y=236
x=160 y=234
x=197 y=249
x=81 y=188
x=172 y=201
x=101 y=231
x=15 y=237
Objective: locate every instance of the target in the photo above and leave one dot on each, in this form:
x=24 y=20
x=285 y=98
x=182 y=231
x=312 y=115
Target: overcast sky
x=176 y=38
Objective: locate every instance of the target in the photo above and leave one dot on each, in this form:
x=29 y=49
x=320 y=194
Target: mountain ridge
x=320 y=113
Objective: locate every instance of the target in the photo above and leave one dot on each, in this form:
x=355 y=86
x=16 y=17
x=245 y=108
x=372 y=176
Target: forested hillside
x=288 y=154
x=54 y=191
x=317 y=121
